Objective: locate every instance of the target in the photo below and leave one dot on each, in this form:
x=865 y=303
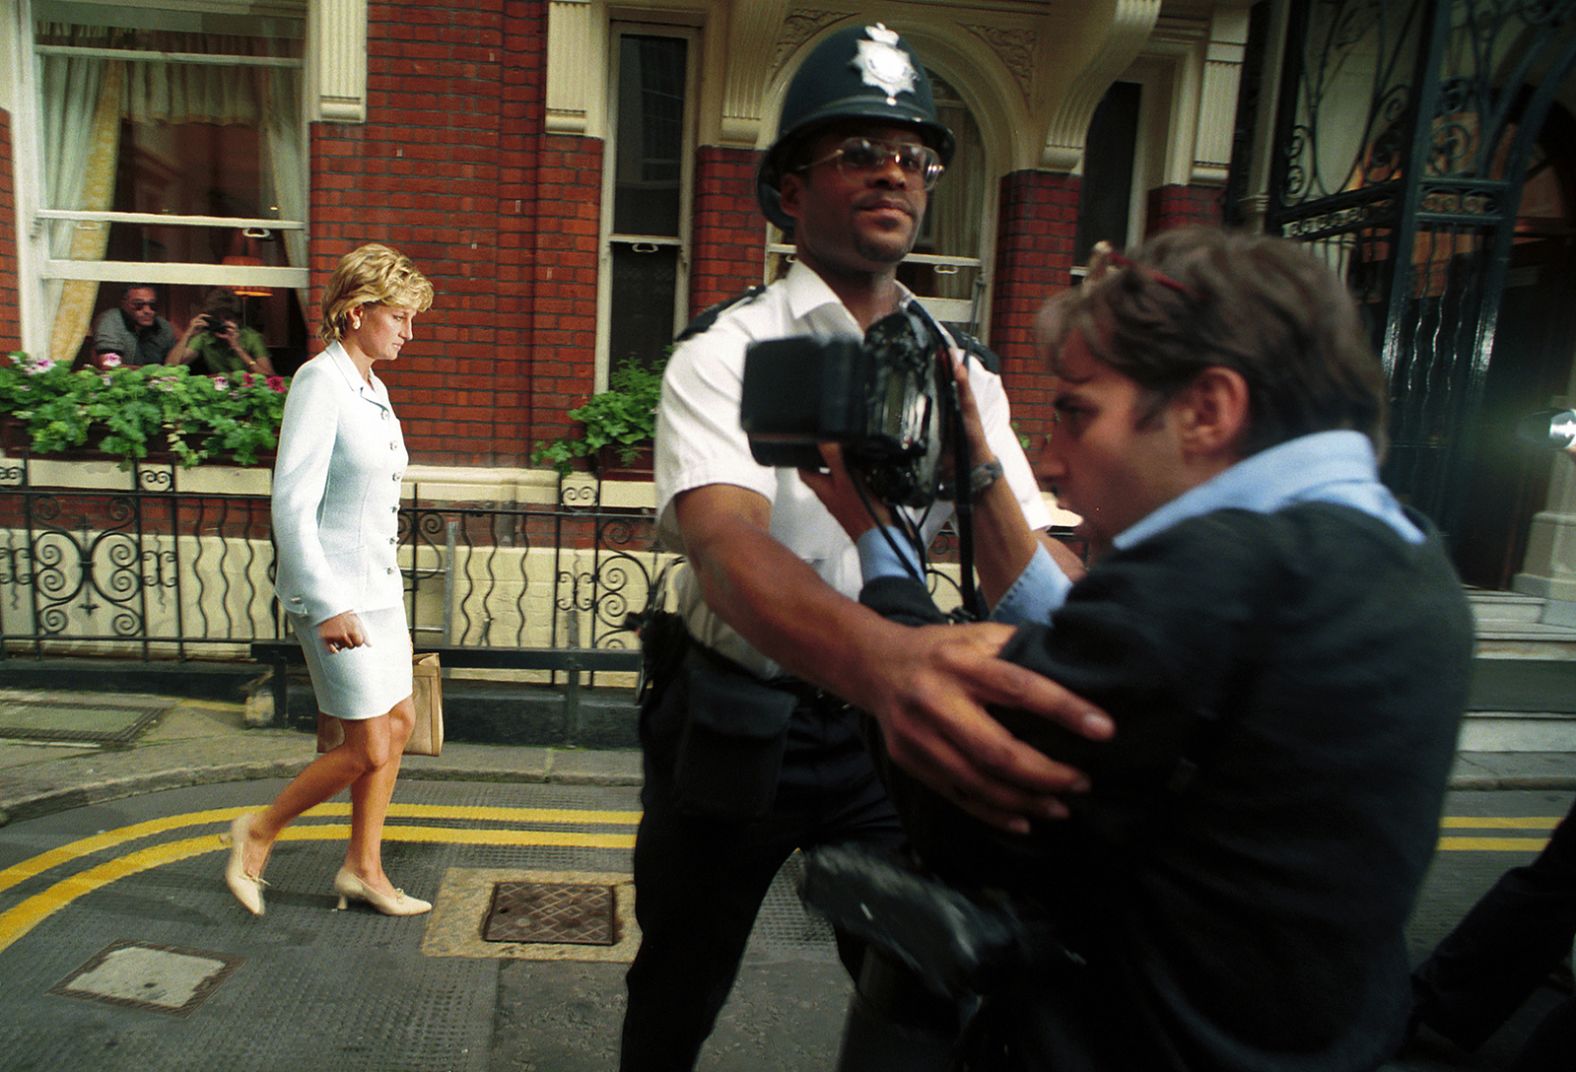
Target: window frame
x=606 y=236
x=34 y=263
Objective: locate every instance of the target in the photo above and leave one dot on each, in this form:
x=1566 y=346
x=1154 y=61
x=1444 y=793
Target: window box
x=138 y=414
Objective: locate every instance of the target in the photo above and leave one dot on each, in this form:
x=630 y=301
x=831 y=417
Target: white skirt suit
x=335 y=515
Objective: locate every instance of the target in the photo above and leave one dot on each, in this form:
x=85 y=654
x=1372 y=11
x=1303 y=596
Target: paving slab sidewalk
x=198 y=742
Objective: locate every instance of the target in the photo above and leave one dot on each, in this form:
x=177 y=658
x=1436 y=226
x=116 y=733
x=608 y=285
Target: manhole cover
x=159 y=978
x=546 y=912
x=77 y=721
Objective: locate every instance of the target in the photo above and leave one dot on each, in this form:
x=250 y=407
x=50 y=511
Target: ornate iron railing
x=155 y=564
x=150 y=569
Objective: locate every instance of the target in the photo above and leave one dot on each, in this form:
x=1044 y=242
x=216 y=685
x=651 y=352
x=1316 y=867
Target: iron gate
x=1404 y=132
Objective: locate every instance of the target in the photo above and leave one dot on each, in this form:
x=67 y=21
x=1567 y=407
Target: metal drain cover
x=554 y=913
x=159 y=978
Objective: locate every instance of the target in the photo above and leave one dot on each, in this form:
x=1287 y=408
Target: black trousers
x=699 y=881
x=1504 y=948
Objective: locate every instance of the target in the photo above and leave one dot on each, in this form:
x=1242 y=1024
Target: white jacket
x=336 y=492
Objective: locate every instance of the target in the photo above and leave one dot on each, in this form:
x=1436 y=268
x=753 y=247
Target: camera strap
x=962 y=465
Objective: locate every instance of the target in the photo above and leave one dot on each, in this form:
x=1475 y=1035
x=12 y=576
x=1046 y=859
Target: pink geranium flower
x=221 y=384
x=110 y=361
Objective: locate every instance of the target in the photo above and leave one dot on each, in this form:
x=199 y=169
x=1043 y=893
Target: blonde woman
x=335 y=522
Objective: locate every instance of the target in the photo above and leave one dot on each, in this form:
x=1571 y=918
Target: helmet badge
x=883 y=65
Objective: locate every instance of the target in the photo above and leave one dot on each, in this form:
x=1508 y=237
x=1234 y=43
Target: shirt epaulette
x=709 y=316
x=982 y=353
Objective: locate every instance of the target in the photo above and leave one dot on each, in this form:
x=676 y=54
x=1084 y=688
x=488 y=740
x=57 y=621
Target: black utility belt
x=805 y=695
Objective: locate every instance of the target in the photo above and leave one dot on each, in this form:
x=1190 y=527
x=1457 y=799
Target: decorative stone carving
x=574 y=70
x=1217 y=105
x=798 y=27
x=338 y=61
x=1114 y=45
x=752 y=30
x=1016 y=48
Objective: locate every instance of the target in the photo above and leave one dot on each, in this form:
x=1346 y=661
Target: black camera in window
x=885 y=398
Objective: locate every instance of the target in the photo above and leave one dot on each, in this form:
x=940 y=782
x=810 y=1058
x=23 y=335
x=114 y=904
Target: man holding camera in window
x=749 y=754
x=1284 y=650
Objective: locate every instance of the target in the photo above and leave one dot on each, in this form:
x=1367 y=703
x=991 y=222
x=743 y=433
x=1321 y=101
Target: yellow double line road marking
x=1482 y=843
x=19 y=920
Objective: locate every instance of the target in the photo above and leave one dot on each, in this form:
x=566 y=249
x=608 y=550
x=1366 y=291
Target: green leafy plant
x=623 y=418
x=126 y=412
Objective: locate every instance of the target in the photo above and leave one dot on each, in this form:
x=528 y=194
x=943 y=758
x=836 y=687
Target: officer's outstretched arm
x=927 y=687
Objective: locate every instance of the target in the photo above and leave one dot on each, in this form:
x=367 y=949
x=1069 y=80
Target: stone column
x=1549 y=567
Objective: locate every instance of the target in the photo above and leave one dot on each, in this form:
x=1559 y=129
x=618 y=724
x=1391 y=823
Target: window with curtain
x=171 y=150
x=645 y=262
x=945 y=267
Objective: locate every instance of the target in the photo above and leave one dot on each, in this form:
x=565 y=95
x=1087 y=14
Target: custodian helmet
x=861 y=72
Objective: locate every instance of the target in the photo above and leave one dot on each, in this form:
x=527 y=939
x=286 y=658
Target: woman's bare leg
x=369 y=803
x=365 y=746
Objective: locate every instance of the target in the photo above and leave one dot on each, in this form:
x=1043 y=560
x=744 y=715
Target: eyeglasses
x=858 y=157
x=1104 y=258
x=144 y=305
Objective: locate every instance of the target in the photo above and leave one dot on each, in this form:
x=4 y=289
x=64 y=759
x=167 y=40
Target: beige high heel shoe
x=247 y=887
x=351 y=888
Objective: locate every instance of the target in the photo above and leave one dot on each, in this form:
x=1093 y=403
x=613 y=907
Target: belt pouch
x=731 y=748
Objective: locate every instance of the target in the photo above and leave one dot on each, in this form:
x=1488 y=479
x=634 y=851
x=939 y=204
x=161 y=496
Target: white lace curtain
x=955 y=202
x=83 y=101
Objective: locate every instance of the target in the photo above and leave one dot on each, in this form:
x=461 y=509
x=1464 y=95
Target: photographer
x=215 y=341
x=748 y=753
x=1284 y=650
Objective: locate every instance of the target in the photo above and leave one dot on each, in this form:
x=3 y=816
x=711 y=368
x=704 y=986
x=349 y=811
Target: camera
x=216 y=325
x=1554 y=428
x=883 y=398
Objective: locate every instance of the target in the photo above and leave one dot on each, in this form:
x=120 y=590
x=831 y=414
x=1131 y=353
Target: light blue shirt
x=1326 y=467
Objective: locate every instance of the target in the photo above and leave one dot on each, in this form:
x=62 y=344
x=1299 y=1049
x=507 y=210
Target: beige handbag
x=426 y=739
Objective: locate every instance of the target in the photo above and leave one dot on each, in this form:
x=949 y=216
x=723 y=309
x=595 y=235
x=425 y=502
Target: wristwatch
x=984 y=475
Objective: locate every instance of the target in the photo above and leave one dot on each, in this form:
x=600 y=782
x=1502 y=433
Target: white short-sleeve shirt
x=699 y=441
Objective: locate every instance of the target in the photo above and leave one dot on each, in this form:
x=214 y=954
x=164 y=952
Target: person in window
x=134 y=330
x=335 y=518
x=217 y=342
x=1283 y=647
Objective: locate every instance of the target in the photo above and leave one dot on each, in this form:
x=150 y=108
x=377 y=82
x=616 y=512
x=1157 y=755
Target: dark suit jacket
x=1286 y=690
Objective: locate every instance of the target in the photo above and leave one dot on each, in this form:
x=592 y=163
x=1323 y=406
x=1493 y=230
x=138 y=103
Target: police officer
x=748 y=752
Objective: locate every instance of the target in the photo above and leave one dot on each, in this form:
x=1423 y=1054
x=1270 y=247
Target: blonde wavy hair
x=372 y=274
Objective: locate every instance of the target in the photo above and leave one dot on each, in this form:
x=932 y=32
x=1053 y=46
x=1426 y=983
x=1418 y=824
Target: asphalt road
x=304 y=987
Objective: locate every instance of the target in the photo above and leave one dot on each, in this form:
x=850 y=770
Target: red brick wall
x=1179 y=206
x=728 y=231
x=563 y=344
x=1034 y=257
x=453 y=166
x=10 y=321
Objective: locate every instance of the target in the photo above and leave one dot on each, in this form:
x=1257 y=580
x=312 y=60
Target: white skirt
x=364 y=682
